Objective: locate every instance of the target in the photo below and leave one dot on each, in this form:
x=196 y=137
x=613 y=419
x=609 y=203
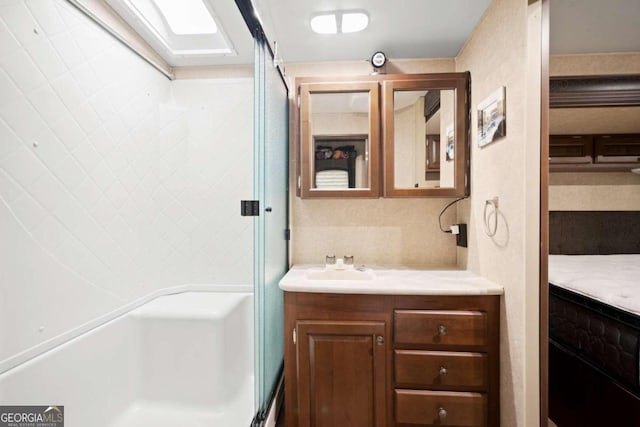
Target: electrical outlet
x=461 y=237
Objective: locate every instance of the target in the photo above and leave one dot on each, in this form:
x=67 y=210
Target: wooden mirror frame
x=460 y=82
x=307 y=154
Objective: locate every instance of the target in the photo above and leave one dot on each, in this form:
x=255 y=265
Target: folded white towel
x=329 y=179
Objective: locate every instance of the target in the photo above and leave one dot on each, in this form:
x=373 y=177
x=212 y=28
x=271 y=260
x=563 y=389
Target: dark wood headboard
x=594 y=232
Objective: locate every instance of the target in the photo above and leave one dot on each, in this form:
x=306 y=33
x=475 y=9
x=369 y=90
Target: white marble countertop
x=393 y=281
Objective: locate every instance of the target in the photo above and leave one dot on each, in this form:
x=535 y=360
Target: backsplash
x=375 y=231
x=114 y=181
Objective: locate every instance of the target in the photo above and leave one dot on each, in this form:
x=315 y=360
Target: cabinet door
x=339 y=139
x=618 y=148
x=414 y=107
x=341 y=373
x=575 y=149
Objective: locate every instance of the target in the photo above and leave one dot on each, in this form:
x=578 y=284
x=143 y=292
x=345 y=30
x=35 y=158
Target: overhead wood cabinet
x=601 y=152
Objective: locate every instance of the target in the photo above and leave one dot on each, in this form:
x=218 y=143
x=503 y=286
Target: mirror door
x=339 y=139
x=425 y=124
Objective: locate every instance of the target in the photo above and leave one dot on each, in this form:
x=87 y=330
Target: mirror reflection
x=339 y=124
x=424 y=138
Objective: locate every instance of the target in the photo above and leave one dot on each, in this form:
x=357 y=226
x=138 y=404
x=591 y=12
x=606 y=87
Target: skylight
x=187 y=17
x=182 y=28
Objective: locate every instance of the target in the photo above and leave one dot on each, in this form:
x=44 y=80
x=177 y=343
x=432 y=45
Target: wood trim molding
x=594 y=91
x=544 y=215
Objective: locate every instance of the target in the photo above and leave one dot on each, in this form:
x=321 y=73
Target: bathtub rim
x=31 y=353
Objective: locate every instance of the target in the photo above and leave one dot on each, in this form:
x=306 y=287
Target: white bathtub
x=179 y=360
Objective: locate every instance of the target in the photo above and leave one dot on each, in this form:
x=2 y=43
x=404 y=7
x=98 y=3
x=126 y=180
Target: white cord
x=487 y=228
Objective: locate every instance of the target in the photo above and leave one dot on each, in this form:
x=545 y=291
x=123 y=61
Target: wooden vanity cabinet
x=446 y=361
x=383 y=360
x=337 y=360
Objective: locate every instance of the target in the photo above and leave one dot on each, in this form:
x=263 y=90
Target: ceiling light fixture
x=324 y=24
x=352 y=22
x=346 y=21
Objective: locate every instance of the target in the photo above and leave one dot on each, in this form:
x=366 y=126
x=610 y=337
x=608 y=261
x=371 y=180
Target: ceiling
x=594 y=26
x=401 y=28
x=407 y=29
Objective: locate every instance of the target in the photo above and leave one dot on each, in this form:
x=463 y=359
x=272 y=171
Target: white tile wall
x=114 y=181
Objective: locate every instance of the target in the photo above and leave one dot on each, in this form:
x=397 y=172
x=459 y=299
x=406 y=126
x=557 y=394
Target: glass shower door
x=271 y=190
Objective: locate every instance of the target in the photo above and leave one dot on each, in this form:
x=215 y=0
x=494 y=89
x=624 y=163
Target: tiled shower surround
x=114 y=181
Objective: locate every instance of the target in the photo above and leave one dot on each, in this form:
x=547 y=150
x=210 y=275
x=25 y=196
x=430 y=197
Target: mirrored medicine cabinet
x=397 y=135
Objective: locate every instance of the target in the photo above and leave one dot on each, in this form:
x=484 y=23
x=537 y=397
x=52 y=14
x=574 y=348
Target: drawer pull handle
x=380 y=339
x=443 y=371
x=442 y=413
x=442 y=330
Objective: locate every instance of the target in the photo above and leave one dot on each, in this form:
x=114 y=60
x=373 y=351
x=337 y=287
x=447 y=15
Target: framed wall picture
x=492 y=118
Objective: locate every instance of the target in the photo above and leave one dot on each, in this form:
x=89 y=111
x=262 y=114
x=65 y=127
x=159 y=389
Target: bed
x=594 y=319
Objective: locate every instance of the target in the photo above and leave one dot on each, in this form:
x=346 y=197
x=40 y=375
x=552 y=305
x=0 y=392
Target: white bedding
x=611 y=279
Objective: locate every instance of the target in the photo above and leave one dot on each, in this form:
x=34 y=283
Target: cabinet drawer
x=468 y=328
x=440 y=408
x=441 y=368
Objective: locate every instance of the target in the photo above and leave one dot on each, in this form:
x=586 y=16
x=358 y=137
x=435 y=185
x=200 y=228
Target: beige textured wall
x=596 y=190
x=375 y=231
x=339 y=124
x=420 y=157
x=409 y=146
x=594 y=64
x=563 y=121
x=504 y=50
x=594 y=198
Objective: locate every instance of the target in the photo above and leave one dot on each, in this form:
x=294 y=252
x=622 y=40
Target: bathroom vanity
x=397 y=348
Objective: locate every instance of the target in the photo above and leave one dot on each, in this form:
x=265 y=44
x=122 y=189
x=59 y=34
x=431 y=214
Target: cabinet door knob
x=443 y=371
x=442 y=413
x=442 y=330
x=380 y=339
